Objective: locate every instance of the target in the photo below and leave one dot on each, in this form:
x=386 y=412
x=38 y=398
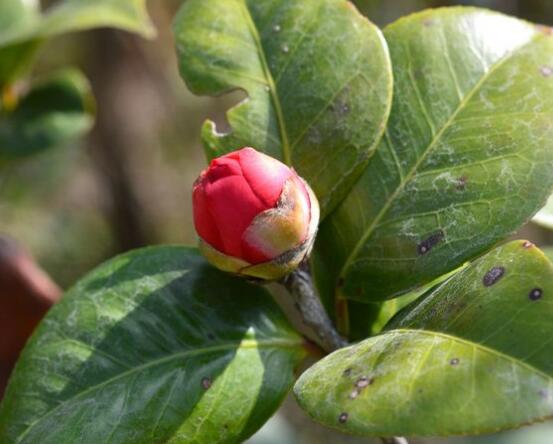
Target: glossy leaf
x=472 y=356
x=14 y=15
x=17 y=13
x=155 y=346
x=466 y=158
x=316 y=73
x=19 y=41
x=56 y=110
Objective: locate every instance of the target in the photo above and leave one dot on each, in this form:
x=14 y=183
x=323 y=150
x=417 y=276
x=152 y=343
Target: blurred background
x=128 y=183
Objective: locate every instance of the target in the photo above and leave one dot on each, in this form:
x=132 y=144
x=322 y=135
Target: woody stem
x=300 y=285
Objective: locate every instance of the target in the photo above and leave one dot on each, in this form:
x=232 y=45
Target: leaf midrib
x=285 y=143
x=244 y=344
x=435 y=139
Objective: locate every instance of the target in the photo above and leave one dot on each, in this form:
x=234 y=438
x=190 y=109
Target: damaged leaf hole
x=430 y=242
x=454 y=361
x=492 y=276
x=362 y=383
x=342 y=419
x=535 y=294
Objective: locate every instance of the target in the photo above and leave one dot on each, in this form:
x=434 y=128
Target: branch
x=300 y=285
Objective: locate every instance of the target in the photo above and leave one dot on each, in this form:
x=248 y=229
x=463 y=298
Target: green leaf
x=155 y=346
x=16 y=13
x=466 y=158
x=57 y=109
x=548 y=251
x=19 y=42
x=317 y=76
x=368 y=319
x=472 y=356
x=544 y=217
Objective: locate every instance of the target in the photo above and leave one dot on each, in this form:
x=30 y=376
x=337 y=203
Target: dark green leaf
x=155 y=346
x=56 y=109
x=28 y=28
x=317 y=75
x=466 y=159
x=472 y=356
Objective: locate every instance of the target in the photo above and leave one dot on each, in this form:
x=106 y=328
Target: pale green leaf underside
x=472 y=356
x=316 y=73
x=154 y=346
x=28 y=28
x=56 y=110
x=544 y=217
x=466 y=158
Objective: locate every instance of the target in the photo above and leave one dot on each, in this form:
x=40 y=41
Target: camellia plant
x=405 y=156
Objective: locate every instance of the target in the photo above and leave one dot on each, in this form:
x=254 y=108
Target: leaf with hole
x=316 y=73
x=466 y=158
x=472 y=356
x=57 y=109
x=28 y=27
x=154 y=346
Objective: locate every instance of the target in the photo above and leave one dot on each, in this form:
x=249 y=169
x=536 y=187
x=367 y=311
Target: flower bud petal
x=255 y=216
x=223 y=262
x=275 y=231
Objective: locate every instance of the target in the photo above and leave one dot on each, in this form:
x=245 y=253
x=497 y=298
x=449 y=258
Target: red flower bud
x=254 y=215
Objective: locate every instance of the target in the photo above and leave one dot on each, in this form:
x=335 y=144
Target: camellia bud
x=254 y=215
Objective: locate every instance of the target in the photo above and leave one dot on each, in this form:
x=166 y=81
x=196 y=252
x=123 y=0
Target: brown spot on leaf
x=430 y=242
x=535 y=294
x=344 y=109
x=492 y=276
x=343 y=418
x=527 y=244
x=206 y=383
x=363 y=382
x=461 y=183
